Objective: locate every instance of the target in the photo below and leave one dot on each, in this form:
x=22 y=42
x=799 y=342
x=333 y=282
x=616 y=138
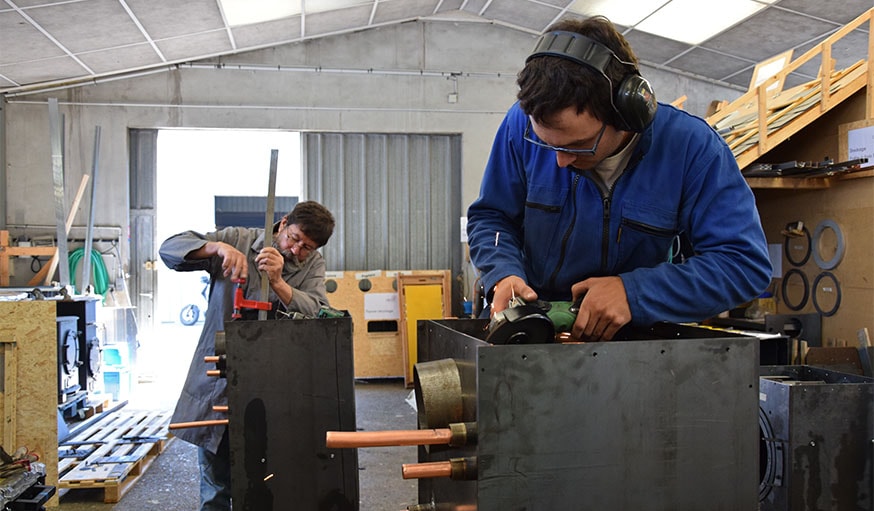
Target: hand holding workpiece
x=603 y=310
x=269 y=260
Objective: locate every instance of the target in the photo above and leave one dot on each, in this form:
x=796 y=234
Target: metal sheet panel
x=817 y=439
x=664 y=420
x=289 y=382
x=396 y=197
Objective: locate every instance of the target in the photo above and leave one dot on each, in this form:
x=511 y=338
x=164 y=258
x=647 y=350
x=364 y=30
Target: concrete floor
x=171 y=482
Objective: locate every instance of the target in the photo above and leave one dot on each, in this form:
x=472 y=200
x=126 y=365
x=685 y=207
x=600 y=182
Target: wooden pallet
x=113 y=453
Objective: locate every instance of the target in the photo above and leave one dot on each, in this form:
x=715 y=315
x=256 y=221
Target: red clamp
x=240 y=302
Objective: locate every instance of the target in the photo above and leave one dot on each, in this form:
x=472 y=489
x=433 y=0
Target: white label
x=381 y=306
x=860 y=144
x=368 y=274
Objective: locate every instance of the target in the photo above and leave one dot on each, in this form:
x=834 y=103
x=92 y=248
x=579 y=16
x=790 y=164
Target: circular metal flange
x=833 y=287
x=439 y=400
x=840 y=247
x=788 y=246
x=784 y=287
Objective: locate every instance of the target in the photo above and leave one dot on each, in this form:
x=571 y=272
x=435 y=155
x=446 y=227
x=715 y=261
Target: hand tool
x=532 y=323
x=240 y=302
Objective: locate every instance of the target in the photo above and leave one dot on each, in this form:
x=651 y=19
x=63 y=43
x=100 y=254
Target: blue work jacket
x=555 y=226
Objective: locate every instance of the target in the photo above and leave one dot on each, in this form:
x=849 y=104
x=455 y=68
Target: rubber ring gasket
x=787 y=253
x=816 y=281
x=839 y=250
x=800 y=305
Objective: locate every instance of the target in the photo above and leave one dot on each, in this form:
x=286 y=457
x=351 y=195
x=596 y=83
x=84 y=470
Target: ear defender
x=633 y=100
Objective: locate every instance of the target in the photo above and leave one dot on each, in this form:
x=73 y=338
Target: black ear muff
x=633 y=100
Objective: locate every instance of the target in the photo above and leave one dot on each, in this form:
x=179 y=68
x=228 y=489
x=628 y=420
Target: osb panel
x=850 y=204
x=31 y=326
x=376 y=354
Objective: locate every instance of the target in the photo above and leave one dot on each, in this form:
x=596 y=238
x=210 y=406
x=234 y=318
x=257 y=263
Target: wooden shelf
x=802 y=183
x=789 y=183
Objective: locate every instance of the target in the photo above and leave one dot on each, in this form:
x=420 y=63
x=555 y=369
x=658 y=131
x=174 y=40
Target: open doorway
x=193 y=167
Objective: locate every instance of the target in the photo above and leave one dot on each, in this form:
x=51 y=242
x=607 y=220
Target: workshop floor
x=171 y=482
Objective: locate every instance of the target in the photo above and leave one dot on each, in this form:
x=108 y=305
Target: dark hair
x=313 y=219
x=548 y=85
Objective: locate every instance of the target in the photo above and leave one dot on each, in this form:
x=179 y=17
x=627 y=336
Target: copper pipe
x=220 y=408
x=198 y=424
x=441 y=507
x=457 y=434
x=457 y=469
x=214 y=372
x=211 y=359
x=343 y=439
x=425 y=470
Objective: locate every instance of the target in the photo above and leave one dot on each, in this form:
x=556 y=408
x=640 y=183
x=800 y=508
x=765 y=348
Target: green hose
x=98 y=270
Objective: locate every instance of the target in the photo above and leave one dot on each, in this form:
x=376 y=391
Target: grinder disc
x=523 y=324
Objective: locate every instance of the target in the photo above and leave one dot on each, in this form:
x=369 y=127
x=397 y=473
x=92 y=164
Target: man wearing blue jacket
x=595 y=190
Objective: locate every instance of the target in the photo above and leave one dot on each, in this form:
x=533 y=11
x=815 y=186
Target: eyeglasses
x=590 y=152
x=296 y=240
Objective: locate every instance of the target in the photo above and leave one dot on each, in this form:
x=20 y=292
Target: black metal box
x=663 y=420
x=289 y=383
x=817 y=429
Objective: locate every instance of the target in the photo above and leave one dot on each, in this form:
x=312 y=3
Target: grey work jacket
x=201 y=392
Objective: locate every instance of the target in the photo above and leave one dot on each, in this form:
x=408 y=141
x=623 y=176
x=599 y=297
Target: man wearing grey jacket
x=296 y=273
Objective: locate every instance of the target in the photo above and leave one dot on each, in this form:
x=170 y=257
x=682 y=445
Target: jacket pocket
x=645 y=236
x=543 y=208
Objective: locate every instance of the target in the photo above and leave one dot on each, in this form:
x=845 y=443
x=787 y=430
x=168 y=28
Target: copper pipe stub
x=457 y=469
x=215 y=372
x=220 y=408
x=441 y=507
x=343 y=439
x=426 y=470
x=213 y=359
x=198 y=424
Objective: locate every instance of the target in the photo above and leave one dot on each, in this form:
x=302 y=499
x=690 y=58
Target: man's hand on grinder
x=508 y=288
x=603 y=311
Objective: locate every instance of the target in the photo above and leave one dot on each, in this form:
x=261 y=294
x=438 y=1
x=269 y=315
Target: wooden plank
x=869 y=102
x=857 y=81
x=792 y=183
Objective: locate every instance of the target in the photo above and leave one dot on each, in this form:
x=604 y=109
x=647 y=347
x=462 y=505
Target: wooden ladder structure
x=761 y=119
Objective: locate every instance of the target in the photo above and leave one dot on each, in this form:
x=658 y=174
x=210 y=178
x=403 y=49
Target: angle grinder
x=536 y=322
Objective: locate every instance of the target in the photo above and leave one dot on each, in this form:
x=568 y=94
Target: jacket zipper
x=608 y=200
x=567 y=232
x=605 y=231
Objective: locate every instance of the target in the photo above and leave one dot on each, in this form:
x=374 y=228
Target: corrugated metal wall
x=396 y=198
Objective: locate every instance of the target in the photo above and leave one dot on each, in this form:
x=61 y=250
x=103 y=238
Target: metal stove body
x=666 y=419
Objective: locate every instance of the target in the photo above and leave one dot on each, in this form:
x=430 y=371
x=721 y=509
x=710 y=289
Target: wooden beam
x=869 y=97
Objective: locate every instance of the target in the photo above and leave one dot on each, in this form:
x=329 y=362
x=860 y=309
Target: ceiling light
x=626 y=14
x=246 y=12
x=694 y=21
